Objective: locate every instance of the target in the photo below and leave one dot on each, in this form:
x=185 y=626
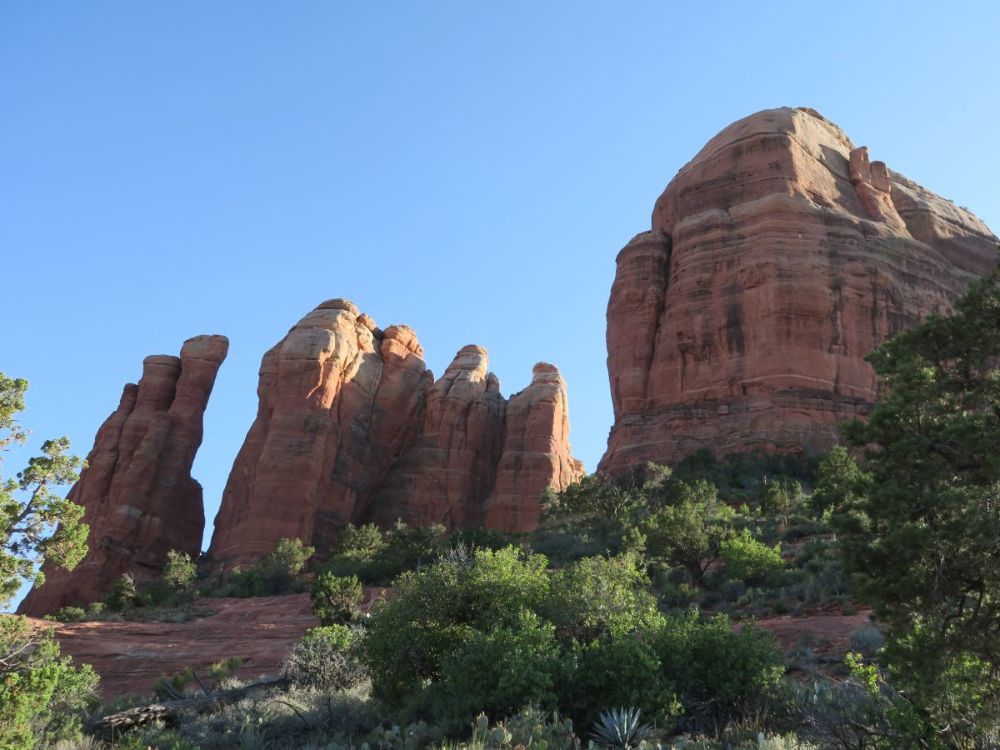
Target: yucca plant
x=620 y=729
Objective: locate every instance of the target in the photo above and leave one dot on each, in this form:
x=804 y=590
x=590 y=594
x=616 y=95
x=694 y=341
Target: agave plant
x=620 y=729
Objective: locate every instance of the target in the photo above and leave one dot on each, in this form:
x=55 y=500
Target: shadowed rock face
x=137 y=492
x=536 y=452
x=450 y=468
x=352 y=427
x=777 y=259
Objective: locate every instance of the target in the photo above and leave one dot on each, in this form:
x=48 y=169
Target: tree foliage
x=919 y=529
x=43 y=697
x=36 y=524
x=690 y=530
x=335 y=598
x=180 y=571
x=496 y=631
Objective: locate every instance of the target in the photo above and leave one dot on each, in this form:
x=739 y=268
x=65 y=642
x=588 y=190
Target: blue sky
x=470 y=169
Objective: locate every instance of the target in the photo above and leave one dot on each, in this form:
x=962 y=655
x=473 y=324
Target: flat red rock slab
x=129 y=656
x=827 y=633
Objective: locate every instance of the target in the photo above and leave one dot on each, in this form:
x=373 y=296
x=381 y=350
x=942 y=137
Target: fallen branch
x=114 y=725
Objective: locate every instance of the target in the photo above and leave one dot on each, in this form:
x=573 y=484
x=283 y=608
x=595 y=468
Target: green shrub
x=377 y=557
x=70 y=614
x=276 y=573
x=438 y=609
x=748 y=559
x=689 y=531
x=719 y=675
x=43 y=697
x=161 y=594
x=325 y=658
x=180 y=571
x=123 y=594
x=335 y=598
x=617 y=669
x=598 y=595
x=171 y=686
x=779 y=496
x=497 y=671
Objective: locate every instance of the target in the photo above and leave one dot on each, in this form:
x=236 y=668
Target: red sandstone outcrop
x=137 y=492
x=777 y=259
x=351 y=427
x=536 y=452
x=337 y=399
x=446 y=473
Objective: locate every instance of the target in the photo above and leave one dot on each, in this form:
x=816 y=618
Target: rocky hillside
x=777 y=259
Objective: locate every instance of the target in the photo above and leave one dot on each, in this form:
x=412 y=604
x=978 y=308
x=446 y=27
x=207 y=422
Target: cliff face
x=352 y=427
x=777 y=259
x=137 y=492
x=536 y=452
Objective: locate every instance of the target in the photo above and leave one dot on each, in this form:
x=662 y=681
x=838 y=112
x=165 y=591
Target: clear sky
x=468 y=168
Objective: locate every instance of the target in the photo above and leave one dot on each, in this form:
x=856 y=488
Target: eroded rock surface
x=352 y=427
x=777 y=259
x=536 y=452
x=446 y=473
x=137 y=491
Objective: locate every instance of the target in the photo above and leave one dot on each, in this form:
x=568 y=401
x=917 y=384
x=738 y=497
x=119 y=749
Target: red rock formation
x=137 y=492
x=447 y=472
x=337 y=399
x=352 y=428
x=777 y=259
x=536 y=452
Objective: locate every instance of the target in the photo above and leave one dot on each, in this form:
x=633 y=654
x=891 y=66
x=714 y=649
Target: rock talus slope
x=137 y=492
x=777 y=259
x=352 y=428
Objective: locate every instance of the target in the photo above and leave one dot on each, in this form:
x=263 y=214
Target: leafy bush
x=867 y=640
x=748 y=559
x=437 y=609
x=70 y=614
x=779 y=496
x=691 y=529
x=43 y=697
x=276 y=573
x=377 y=557
x=616 y=669
x=719 y=675
x=838 y=481
x=599 y=595
x=335 y=598
x=180 y=571
x=123 y=594
x=497 y=670
x=325 y=658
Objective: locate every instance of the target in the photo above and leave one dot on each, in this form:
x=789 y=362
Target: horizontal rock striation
x=137 y=492
x=352 y=427
x=777 y=259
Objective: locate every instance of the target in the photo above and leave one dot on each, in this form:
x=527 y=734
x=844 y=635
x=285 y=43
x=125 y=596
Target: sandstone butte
x=777 y=259
x=352 y=427
x=137 y=492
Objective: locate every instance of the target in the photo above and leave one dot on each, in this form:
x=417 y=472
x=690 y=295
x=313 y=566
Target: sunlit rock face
x=137 y=492
x=777 y=259
x=352 y=427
